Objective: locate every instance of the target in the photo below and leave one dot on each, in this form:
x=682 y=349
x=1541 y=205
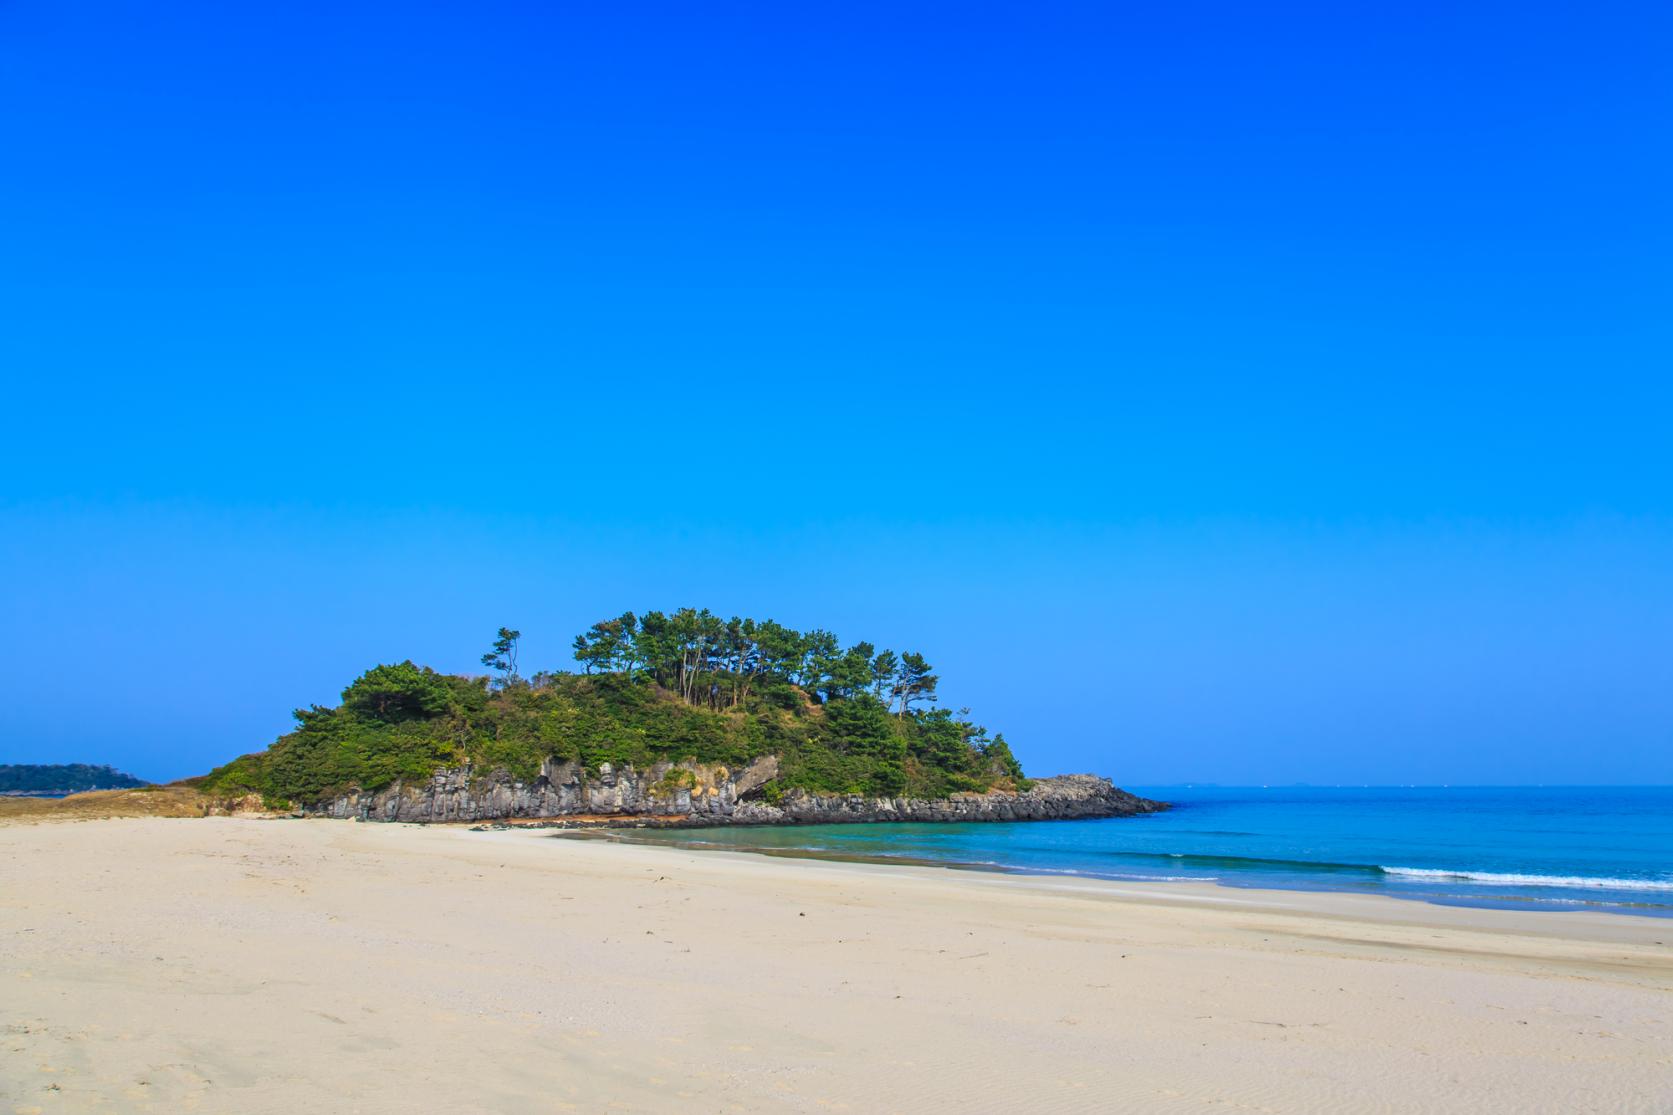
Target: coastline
x=485 y=971
x=687 y=840
x=1521 y=849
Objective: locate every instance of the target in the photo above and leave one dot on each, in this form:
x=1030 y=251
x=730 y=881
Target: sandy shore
x=251 y=966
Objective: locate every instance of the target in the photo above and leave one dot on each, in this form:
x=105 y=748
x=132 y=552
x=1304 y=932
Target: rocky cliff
x=695 y=794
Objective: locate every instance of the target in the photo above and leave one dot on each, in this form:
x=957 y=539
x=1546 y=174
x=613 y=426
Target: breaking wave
x=1498 y=879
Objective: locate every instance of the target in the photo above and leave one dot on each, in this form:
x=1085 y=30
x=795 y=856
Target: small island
x=678 y=718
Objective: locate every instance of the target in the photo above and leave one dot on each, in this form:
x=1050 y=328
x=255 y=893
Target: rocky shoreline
x=667 y=795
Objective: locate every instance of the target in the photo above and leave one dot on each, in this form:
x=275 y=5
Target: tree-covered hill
x=62 y=778
x=683 y=686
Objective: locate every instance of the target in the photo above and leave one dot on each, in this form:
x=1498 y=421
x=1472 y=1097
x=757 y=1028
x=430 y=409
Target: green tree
x=627 y=651
x=780 y=649
x=394 y=693
x=883 y=669
x=503 y=656
x=1002 y=763
x=740 y=650
x=819 y=655
x=862 y=726
x=914 y=682
x=697 y=637
x=850 y=675
x=942 y=742
x=610 y=644
x=657 y=647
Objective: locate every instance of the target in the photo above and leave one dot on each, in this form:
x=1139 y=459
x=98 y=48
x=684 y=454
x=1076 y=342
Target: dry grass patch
x=97 y=805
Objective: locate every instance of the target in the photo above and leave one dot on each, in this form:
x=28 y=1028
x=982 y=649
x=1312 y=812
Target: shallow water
x=1603 y=848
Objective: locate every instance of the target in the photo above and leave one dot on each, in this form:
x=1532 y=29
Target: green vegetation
x=62 y=778
x=677 y=687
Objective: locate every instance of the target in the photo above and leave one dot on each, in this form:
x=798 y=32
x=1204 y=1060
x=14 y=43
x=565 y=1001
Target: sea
x=1529 y=848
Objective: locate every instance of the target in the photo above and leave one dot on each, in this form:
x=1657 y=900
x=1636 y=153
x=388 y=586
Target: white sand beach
x=230 y=965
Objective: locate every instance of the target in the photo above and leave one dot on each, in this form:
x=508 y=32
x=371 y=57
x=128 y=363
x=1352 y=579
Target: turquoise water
x=1605 y=848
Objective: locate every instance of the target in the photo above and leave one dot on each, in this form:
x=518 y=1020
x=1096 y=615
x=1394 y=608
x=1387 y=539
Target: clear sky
x=1212 y=391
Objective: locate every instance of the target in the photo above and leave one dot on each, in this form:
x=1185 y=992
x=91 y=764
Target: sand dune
x=225 y=965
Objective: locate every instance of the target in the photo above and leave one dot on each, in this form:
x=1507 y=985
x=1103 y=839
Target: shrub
x=402 y=723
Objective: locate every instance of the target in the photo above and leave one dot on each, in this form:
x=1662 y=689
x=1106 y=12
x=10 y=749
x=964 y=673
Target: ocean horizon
x=1606 y=848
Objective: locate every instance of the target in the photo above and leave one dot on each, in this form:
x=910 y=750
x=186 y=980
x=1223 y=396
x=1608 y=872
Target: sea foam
x=1496 y=879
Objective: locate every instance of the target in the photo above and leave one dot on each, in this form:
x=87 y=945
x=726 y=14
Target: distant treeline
x=62 y=778
x=685 y=685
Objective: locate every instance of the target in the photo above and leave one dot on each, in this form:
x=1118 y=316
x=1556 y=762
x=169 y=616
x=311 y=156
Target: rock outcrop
x=693 y=794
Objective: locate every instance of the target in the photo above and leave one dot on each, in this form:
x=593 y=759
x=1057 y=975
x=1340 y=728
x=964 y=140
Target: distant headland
x=60 y=779
x=679 y=718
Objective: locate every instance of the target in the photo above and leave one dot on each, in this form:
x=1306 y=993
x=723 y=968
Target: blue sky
x=1218 y=393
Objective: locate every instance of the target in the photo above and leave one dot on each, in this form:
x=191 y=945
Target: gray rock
x=709 y=794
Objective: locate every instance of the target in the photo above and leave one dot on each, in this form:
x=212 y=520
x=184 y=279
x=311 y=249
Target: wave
x=1501 y=879
x=1326 y=867
x=1108 y=876
x=1233 y=870
x=1243 y=863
